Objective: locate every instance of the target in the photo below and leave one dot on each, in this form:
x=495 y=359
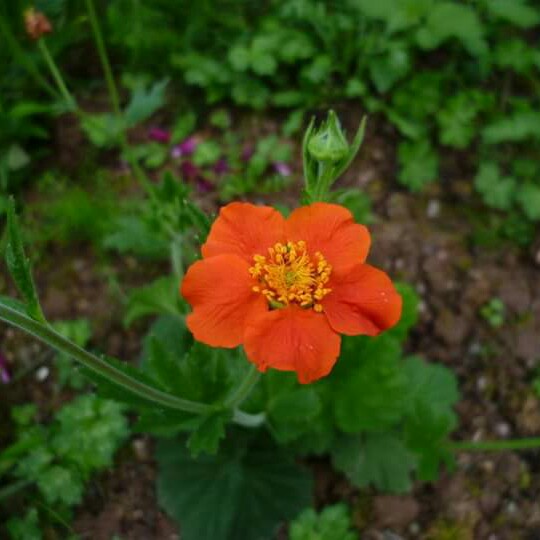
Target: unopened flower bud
x=36 y=23
x=329 y=142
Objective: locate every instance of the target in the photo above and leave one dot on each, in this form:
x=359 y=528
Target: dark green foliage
x=245 y=491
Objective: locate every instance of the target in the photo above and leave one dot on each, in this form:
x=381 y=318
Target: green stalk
x=47 y=335
x=55 y=72
x=244 y=389
x=495 y=446
x=102 y=51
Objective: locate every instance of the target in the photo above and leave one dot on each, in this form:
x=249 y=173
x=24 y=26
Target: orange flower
x=36 y=23
x=286 y=288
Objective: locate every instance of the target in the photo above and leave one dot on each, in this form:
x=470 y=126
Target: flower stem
x=102 y=51
x=57 y=76
x=47 y=335
x=495 y=446
x=244 y=389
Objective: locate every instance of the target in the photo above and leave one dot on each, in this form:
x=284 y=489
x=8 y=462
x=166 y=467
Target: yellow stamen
x=289 y=275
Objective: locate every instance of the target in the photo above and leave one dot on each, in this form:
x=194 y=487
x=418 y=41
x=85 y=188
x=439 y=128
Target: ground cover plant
x=279 y=353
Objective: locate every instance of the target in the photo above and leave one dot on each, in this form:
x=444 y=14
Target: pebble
x=433 y=209
x=42 y=373
x=502 y=429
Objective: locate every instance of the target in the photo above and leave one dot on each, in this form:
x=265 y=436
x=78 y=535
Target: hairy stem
x=47 y=335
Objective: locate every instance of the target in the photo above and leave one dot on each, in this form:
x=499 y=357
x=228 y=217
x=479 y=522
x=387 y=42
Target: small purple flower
x=282 y=168
x=203 y=185
x=5 y=377
x=247 y=152
x=221 y=166
x=189 y=170
x=185 y=148
x=159 y=135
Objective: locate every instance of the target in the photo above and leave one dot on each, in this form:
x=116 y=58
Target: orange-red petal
x=292 y=339
x=219 y=291
x=330 y=229
x=363 y=301
x=245 y=230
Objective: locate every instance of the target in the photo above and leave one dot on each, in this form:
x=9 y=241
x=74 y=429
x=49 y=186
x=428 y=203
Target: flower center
x=288 y=275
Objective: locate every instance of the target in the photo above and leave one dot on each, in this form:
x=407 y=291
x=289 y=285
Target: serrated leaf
x=519 y=126
x=497 y=192
x=432 y=384
x=518 y=12
x=61 y=485
x=207 y=435
x=419 y=164
x=19 y=266
x=430 y=417
x=528 y=196
x=378 y=459
x=145 y=101
x=245 y=491
x=450 y=20
x=333 y=523
x=158 y=298
x=373 y=392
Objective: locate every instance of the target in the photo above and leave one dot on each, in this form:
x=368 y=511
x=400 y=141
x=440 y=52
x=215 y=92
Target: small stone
x=414 y=528
x=503 y=430
x=395 y=511
x=42 y=373
x=433 y=209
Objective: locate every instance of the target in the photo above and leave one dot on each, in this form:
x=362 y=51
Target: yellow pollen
x=289 y=275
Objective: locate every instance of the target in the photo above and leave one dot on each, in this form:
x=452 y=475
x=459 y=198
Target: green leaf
x=292 y=408
x=158 y=298
x=103 y=129
x=409 y=313
x=379 y=459
x=430 y=418
x=333 y=523
x=183 y=127
x=145 y=102
x=19 y=266
x=520 y=126
x=496 y=191
x=245 y=491
x=385 y=71
x=26 y=528
x=61 y=485
x=450 y=20
x=528 y=196
x=207 y=153
x=419 y=164
x=426 y=434
x=373 y=392
x=208 y=433
x=105 y=429
x=432 y=384
x=17 y=157
x=517 y=12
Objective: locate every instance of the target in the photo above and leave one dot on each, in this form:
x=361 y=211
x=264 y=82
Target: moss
x=446 y=530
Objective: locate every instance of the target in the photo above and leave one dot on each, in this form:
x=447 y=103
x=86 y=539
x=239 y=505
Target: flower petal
x=330 y=229
x=219 y=290
x=292 y=339
x=244 y=229
x=363 y=301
